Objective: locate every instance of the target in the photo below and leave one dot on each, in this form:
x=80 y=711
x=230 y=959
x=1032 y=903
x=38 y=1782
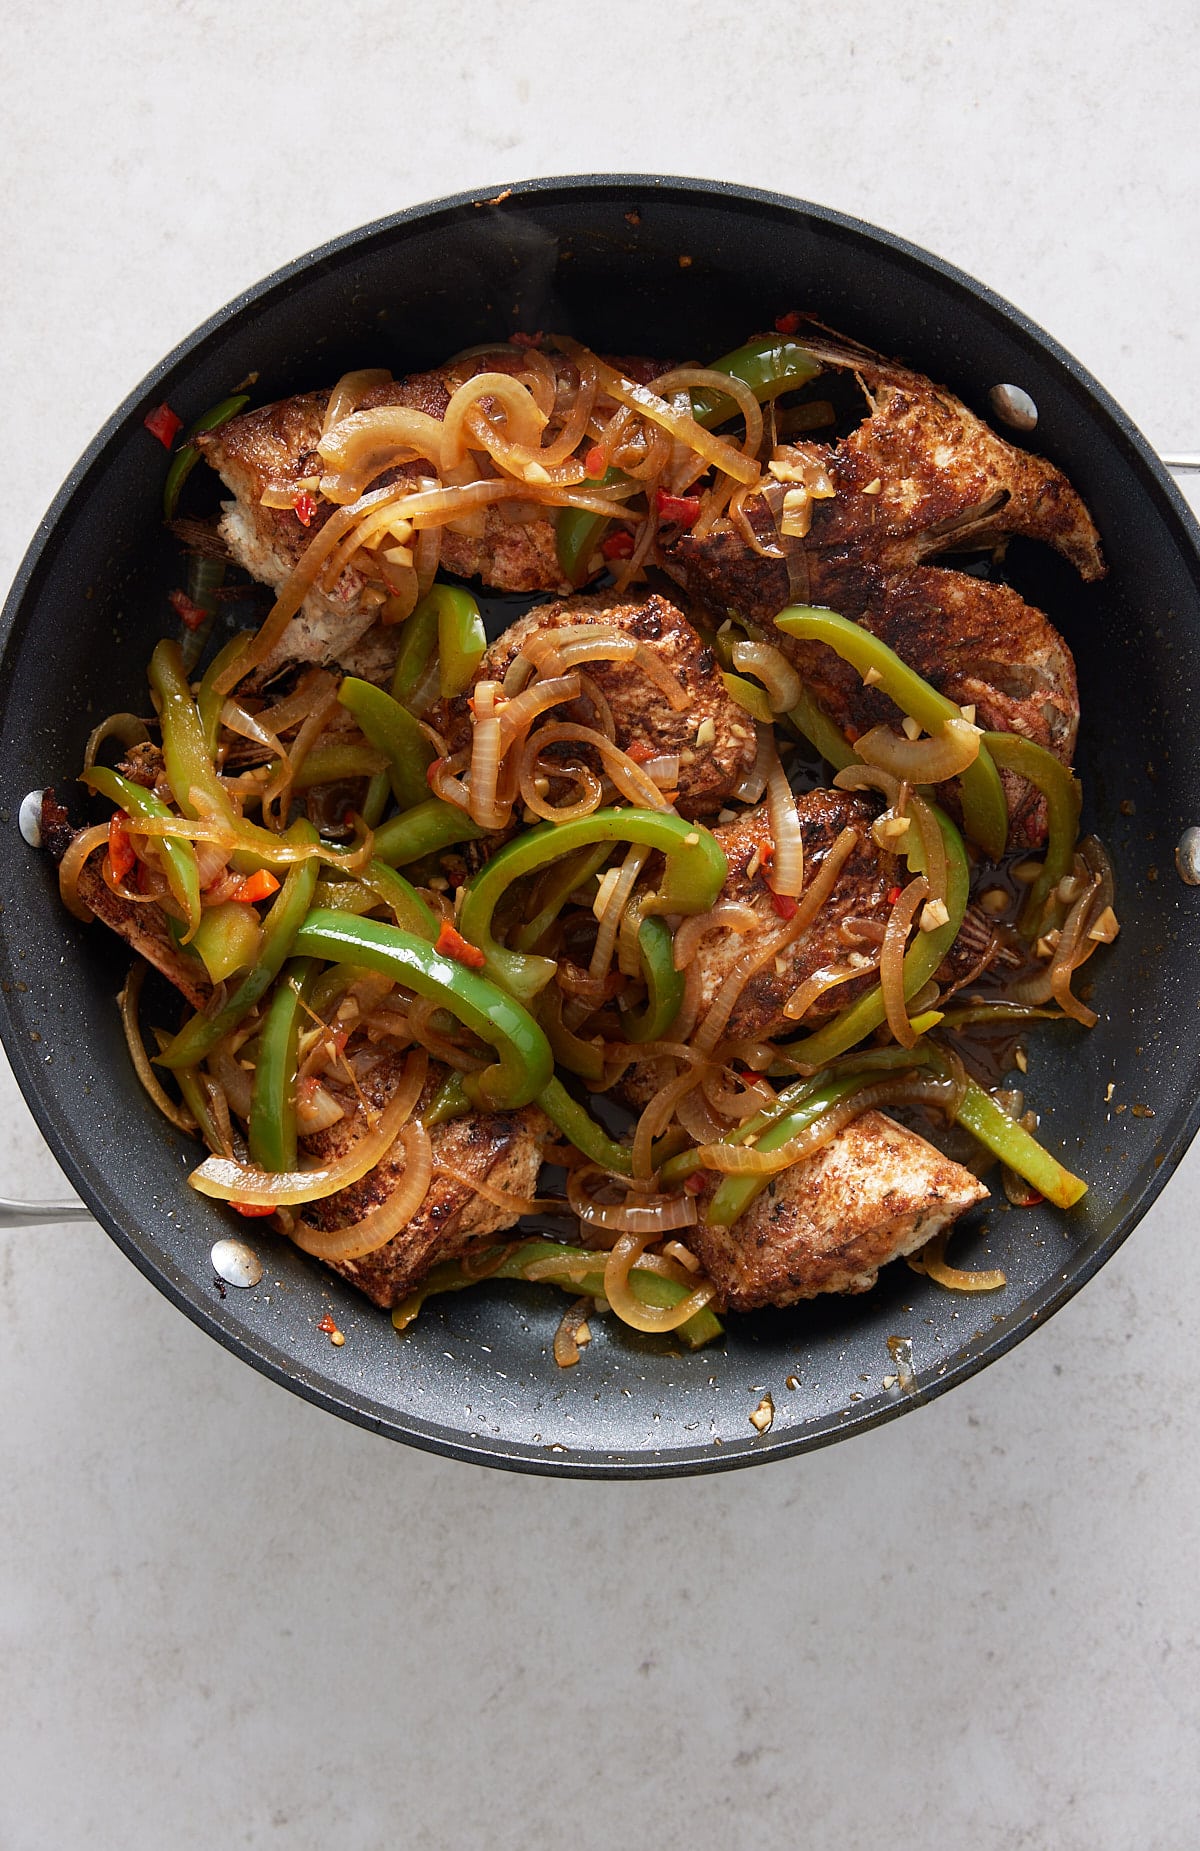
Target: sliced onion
x=747 y=1160
x=922 y=761
x=801 y=1001
x=618 y=900
x=651 y=1215
x=236 y=1182
x=350 y=388
x=360 y=446
x=532 y=768
x=82 y=847
x=891 y=959
x=773 y=669
x=787 y=862
x=518 y=714
x=754 y=783
x=931 y=1261
x=128 y=1001
x=387 y=1219
x=663 y=770
x=657 y=1115
x=716 y=451
x=722 y=1005
x=524 y=420
x=628 y=776
x=316 y=1108
x=123 y=726
x=726 y=915
x=705 y=379
x=572 y=1328
x=630 y=1309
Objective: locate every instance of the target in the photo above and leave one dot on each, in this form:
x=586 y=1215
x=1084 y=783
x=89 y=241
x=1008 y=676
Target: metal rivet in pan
x=29 y=818
x=236 y=1263
x=1014 y=407
x=1187 y=856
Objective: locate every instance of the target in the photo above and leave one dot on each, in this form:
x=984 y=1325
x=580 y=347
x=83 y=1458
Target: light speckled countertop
x=228 y=1619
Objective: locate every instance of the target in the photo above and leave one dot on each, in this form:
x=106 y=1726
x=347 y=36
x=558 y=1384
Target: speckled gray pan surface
x=602 y=259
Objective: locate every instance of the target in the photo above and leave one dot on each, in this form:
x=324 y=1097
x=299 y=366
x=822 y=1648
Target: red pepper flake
x=253 y=1210
x=595 y=463
x=680 y=510
x=640 y=752
x=431 y=772
x=120 y=849
x=304 y=507
x=258 y=886
x=693 y=1183
x=327 y=1325
x=164 y=424
x=527 y=340
x=789 y=323
x=893 y=894
x=193 y=615
x=452 y=944
x=618 y=545
x=785 y=905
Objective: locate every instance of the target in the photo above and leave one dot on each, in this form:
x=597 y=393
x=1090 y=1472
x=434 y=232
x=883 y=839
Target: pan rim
x=254 y=1348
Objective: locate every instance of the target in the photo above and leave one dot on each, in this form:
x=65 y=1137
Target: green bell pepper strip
x=379 y=792
x=556 y=889
x=227 y=939
x=814 y=724
x=462 y=643
x=985 y=811
x=524 y=1063
x=284 y=919
x=205 y=578
x=187 y=456
x=769 y=365
x=208 y=701
x=695 y=872
x=273 y=1100
x=417 y=641
x=580 y=1129
x=329 y=764
x=196 y=1100
x=664 y=984
x=1063 y=795
x=422 y=831
x=394 y=731
x=1018 y=1148
x=449 y=1101
x=379 y=882
x=577 y=532
x=582 y=1272
x=179 y=857
x=921 y=960
x=749 y=696
x=571 y=1051
x=735 y=1194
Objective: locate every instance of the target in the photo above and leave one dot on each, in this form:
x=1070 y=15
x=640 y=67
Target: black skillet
x=630 y=265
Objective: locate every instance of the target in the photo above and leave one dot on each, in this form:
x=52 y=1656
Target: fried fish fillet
x=501 y=1149
x=713 y=737
x=873 y=1193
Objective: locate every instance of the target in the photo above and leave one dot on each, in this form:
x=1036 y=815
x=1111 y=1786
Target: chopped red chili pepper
x=253 y=1210
x=164 y=424
x=785 y=905
x=258 y=886
x=327 y=1325
x=693 y=1183
x=452 y=944
x=618 y=545
x=431 y=772
x=304 y=507
x=595 y=462
x=527 y=340
x=640 y=752
x=193 y=615
x=120 y=849
x=680 y=510
x=787 y=324
x=893 y=894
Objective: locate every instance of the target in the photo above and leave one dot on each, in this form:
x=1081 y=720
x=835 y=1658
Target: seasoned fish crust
x=502 y=1148
x=860 y=892
x=875 y=1192
x=275 y=446
x=642 y=715
x=143 y=927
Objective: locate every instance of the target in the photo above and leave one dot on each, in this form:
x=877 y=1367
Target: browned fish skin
x=143 y=927
x=946 y=480
x=875 y=1192
x=709 y=773
x=275 y=446
x=860 y=893
x=502 y=1148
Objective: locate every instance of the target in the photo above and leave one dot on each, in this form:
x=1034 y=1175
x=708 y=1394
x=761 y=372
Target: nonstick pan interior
x=673 y=268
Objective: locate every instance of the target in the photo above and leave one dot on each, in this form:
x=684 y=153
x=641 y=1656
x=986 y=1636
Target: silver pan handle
x=40 y=1214
x=1182 y=465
